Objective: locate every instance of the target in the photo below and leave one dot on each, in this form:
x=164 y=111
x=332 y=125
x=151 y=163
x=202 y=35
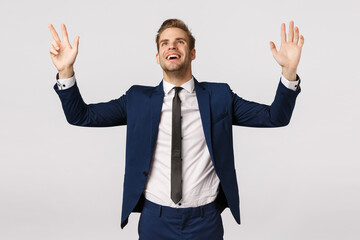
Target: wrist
x=66 y=73
x=289 y=74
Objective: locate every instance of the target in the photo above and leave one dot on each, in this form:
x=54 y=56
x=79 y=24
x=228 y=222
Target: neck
x=177 y=78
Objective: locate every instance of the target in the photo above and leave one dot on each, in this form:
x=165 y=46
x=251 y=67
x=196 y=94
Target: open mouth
x=172 y=57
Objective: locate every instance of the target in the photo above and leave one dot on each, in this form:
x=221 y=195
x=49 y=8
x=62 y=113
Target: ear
x=157 y=58
x=193 y=54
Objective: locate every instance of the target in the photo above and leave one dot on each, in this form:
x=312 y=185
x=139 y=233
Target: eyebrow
x=165 y=40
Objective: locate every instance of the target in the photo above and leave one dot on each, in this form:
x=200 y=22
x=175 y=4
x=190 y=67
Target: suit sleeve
x=252 y=114
x=77 y=112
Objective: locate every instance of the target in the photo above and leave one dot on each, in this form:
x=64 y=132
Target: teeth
x=172 y=56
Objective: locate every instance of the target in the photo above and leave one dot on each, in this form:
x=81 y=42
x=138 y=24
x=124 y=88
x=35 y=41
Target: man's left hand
x=290 y=51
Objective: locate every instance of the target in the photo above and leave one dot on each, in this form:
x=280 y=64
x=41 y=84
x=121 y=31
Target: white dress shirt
x=200 y=182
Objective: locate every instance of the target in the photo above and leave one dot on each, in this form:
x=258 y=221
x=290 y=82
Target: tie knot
x=177 y=89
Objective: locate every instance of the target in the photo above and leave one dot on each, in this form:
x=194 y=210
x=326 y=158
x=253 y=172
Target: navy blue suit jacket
x=140 y=109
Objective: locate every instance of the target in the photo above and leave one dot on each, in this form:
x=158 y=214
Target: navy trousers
x=165 y=223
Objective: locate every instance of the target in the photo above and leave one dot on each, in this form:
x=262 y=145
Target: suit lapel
x=156 y=102
x=203 y=98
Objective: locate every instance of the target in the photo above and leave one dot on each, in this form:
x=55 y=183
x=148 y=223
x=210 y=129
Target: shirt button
x=145 y=173
x=64 y=85
x=179 y=204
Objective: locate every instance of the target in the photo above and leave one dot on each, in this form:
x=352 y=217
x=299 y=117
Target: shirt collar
x=188 y=86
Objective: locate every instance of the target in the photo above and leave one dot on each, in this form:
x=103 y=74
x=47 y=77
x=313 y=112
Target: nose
x=172 y=46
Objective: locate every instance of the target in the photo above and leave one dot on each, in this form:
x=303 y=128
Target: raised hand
x=289 y=53
x=62 y=54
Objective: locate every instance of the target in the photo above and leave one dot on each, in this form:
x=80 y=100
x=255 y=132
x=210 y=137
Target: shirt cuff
x=293 y=85
x=65 y=83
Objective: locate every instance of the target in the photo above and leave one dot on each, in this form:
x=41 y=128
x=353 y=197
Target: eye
x=164 y=44
x=181 y=42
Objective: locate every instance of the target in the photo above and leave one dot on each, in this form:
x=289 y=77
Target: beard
x=174 y=68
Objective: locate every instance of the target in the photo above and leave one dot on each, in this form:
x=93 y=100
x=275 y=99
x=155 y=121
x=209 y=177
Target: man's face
x=174 y=53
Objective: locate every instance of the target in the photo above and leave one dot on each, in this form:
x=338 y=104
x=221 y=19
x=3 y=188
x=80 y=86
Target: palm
x=65 y=58
x=62 y=54
x=289 y=53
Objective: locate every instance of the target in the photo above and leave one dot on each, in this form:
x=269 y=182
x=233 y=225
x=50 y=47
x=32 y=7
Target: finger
x=54 y=52
x=301 y=41
x=291 y=31
x=296 y=37
x=55 y=44
x=273 y=48
x=283 y=34
x=54 y=33
x=76 y=43
x=64 y=33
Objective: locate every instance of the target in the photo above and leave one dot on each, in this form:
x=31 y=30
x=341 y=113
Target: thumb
x=76 y=43
x=273 y=48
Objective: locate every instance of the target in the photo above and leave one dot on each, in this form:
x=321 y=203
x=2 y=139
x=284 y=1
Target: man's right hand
x=62 y=54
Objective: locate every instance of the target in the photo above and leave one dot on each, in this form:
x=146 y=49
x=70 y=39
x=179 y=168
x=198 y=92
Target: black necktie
x=176 y=160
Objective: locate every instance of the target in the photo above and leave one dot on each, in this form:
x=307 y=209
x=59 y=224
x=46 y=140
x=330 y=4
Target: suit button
x=145 y=173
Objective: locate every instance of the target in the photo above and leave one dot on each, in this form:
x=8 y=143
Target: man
x=179 y=169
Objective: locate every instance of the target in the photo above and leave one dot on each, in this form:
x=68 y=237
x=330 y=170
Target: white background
x=58 y=181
